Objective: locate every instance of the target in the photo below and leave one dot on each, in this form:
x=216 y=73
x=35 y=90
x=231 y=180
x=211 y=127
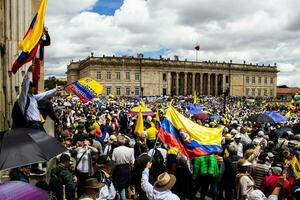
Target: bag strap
x=26 y=107
x=80 y=159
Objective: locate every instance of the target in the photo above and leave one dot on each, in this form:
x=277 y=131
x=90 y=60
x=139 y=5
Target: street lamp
x=229 y=77
x=226 y=93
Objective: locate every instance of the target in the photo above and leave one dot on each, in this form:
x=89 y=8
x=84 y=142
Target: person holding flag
x=27 y=101
x=33 y=43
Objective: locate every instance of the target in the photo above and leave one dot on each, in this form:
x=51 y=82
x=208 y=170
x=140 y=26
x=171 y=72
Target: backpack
x=18 y=118
x=56 y=183
x=158 y=157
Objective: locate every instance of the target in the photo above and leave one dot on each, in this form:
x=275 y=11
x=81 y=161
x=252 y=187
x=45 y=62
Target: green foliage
x=51 y=82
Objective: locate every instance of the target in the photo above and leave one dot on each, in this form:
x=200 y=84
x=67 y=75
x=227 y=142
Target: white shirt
x=33 y=113
x=123 y=155
x=239 y=148
x=151 y=193
x=84 y=166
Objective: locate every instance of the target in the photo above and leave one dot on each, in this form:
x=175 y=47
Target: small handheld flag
x=139 y=128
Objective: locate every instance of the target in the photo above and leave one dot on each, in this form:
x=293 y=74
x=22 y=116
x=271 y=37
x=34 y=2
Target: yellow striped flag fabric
x=139 y=128
x=36 y=29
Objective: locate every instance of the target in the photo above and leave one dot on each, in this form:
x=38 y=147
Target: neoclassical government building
x=134 y=76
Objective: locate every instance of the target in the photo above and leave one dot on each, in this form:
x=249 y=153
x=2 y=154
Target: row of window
x=118 y=76
x=258 y=92
x=259 y=80
x=118 y=91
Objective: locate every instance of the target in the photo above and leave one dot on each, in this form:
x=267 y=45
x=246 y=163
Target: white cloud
x=256 y=31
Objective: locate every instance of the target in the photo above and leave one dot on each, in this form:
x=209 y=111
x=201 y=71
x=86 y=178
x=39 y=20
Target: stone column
x=224 y=83
x=169 y=86
x=193 y=82
x=177 y=83
x=208 y=84
x=216 y=84
x=185 y=84
x=201 y=83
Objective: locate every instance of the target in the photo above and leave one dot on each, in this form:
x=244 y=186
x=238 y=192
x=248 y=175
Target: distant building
x=62 y=79
x=287 y=93
x=15 y=18
x=132 y=76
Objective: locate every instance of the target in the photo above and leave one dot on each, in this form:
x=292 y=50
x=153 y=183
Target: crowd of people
x=107 y=159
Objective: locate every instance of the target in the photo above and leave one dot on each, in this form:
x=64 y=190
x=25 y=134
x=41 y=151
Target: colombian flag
x=31 y=42
x=86 y=89
x=190 y=138
x=36 y=29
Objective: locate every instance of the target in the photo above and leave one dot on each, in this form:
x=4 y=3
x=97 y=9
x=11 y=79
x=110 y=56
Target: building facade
x=287 y=93
x=15 y=17
x=132 y=76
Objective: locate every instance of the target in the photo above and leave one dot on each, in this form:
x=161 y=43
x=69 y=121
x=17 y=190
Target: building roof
x=167 y=62
x=289 y=90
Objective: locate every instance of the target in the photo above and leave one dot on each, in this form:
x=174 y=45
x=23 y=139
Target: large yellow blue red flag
x=36 y=29
x=86 y=88
x=192 y=139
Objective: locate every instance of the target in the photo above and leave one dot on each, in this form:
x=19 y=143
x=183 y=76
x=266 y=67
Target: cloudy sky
x=257 y=31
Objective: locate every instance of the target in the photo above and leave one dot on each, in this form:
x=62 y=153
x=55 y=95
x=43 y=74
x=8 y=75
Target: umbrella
x=201 y=116
x=261 y=118
x=194 y=109
x=145 y=111
x=18 y=190
x=276 y=117
x=22 y=146
x=215 y=117
x=279 y=132
x=296 y=128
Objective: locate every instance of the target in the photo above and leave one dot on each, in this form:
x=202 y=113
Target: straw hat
x=243 y=163
x=165 y=181
x=228 y=137
x=92 y=183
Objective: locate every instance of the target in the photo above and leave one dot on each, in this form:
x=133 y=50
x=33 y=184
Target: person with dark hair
x=230 y=169
x=138 y=168
x=124 y=159
x=27 y=101
x=62 y=181
x=20 y=174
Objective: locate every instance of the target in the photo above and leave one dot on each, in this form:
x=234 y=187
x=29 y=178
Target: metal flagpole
x=154 y=145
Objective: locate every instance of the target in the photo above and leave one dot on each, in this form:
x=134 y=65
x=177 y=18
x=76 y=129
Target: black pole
x=224 y=106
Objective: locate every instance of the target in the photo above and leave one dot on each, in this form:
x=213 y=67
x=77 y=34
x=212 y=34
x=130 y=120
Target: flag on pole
x=288 y=114
x=139 y=128
x=157 y=116
x=191 y=139
x=35 y=31
x=86 y=88
x=238 y=104
x=197 y=46
x=295 y=165
x=24 y=58
x=195 y=98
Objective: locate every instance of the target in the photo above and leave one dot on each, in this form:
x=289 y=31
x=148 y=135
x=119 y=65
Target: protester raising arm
x=22 y=100
x=46 y=94
x=146 y=186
